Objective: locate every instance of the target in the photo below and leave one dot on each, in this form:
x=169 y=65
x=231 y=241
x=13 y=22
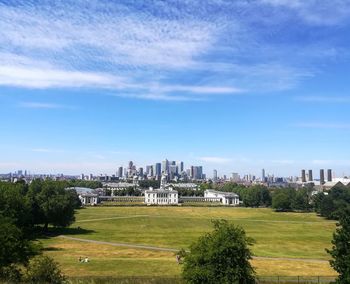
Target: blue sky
x=237 y=86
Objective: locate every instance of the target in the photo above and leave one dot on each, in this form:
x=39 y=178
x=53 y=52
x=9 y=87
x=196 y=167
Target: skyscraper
x=329 y=175
x=310 y=176
x=158 y=169
x=263 y=177
x=120 y=172
x=140 y=172
x=215 y=175
x=180 y=167
x=322 y=176
x=165 y=166
x=303 y=176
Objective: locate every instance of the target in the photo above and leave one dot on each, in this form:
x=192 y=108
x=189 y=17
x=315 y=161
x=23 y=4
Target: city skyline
x=235 y=86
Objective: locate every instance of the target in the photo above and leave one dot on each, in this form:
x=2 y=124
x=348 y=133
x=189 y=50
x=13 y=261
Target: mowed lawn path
x=277 y=235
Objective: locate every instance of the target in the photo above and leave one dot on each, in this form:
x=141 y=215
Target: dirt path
x=176 y=250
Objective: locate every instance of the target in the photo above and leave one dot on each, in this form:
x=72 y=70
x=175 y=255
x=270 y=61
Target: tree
x=221 y=256
x=43 y=269
x=282 y=199
x=14 y=250
x=340 y=251
x=52 y=203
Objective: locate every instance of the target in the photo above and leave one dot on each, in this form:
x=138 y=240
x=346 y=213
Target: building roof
x=228 y=194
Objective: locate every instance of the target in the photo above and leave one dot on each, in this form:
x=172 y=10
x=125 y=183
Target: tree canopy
x=221 y=256
x=340 y=251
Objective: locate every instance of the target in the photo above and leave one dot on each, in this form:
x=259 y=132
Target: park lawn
x=294 y=235
x=111 y=261
x=286 y=235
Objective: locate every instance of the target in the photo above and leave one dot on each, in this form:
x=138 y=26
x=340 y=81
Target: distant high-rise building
x=165 y=166
x=235 y=177
x=120 y=172
x=310 y=176
x=263 y=177
x=180 y=167
x=158 y=169
x=329 y=175
x=131 y=164
x=303 y=176
x=172 y=171
x=140 y=172
x=215 y=175
x=322 y=181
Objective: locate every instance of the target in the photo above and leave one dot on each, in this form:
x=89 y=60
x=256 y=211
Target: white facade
x=227 y=198
x=161 y=196
x=89 y=199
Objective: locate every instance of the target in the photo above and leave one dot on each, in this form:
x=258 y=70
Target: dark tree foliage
x=85 y=183
x=252 y=196
x=146 y=184
x=340 y=251
x=15 y=205
x=332 y=205
x=52 y=203
x=45 y=270
x=14 y=247
x=221 y=256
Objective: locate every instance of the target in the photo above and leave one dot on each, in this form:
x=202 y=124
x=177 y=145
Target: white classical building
x=226 y=198
x=87 y=196
x=165 y=195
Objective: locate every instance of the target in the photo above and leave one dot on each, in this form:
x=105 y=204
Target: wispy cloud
x=40 y=105
x=322 y=13
x=144 y=51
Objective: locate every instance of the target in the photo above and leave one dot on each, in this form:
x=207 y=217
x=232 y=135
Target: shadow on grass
x=71 y=231
x=51 y=249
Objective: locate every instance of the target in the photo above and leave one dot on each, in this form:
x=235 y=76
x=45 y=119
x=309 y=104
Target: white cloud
x=40 y=105
x=322 y=13
x=33 y=77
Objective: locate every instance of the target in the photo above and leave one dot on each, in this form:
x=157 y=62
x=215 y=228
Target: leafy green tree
x=14 y=248
x=301 y=200
x=52 y=203
x=340 y=251
x=221 y=256
x=43 y=269
x=282 y=199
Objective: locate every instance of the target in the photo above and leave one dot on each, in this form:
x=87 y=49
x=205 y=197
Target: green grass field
x=278 y=235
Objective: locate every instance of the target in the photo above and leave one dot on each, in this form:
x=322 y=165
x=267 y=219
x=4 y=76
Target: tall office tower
x=91 y=177
x=196 y=172
x=140 y=172
x=329 y=175
x=158 y=169
x=180 y=167
x=235 y=177
x=165 y=166
x=263 y=177
x=172 y=171
x=310 y=176
x=131 y=164
x=149 y=170
x=120 y=172
x=200 y=172
x=322 y=176
x=303 y=176
x=191 y=175
x=215 y=175
x=172 y=163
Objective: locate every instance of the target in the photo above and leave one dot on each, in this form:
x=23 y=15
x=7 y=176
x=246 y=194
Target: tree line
x=26 y=212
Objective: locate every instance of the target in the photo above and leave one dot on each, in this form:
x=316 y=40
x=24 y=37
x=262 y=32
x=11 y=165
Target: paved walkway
x=176 y=250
